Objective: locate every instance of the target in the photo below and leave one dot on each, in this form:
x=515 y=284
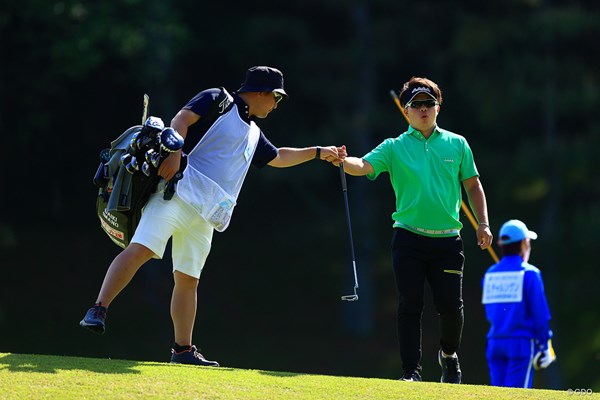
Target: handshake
x=544 y=358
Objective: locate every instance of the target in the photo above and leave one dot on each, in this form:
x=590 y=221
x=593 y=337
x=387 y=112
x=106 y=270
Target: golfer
x=515 y=305
x=427 y=165
x=219 y=153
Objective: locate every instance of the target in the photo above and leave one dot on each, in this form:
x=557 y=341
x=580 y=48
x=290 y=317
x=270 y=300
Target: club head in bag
x=146 y=169
x=132 y=166
x=125 y=159
x=153 y=158
x=133 y=143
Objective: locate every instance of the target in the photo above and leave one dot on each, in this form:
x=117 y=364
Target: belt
x=430 y=231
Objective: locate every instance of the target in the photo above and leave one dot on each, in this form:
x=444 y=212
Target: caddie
x=518 y=341
x=221 y=141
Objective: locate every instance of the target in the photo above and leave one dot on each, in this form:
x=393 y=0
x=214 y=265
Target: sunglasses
x=278 y=97
x=422 y=103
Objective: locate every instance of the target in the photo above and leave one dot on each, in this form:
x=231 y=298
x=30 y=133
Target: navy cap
x=263 y=79
x=413 y=90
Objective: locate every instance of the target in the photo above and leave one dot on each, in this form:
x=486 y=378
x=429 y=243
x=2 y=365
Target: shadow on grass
x=281 y=374
x=51 y=364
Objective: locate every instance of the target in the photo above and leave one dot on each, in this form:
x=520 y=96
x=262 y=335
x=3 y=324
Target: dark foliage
x=520 y=81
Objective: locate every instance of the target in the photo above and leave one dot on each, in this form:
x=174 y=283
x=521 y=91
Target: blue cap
x=263 y=79
x=514 y=231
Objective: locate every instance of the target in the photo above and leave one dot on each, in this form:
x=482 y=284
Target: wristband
x=318 y=155
x=484 y=224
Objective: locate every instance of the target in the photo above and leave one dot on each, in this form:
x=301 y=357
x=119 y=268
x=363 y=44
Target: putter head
x=350 y=297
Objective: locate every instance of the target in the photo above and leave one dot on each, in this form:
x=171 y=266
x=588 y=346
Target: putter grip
x=343 y=177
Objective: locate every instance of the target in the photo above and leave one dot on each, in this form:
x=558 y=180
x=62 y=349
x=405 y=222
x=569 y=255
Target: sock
x=179 y=349
x=453 y=355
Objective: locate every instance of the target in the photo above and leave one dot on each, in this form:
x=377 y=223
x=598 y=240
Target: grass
x=55 y=377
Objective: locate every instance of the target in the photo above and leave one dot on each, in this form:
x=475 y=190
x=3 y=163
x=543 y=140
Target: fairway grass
x=25 y=376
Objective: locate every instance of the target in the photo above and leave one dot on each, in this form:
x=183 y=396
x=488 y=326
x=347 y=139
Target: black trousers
x=440 y=261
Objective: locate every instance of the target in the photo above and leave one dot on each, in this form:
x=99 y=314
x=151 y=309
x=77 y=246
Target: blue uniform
x=516 y=307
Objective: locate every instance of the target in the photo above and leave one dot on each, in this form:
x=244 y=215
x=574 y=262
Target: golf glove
x=544 y=357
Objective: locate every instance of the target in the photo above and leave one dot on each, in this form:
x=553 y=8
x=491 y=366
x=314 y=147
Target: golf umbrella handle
x=343 y=176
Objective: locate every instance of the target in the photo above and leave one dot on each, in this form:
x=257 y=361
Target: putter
x=350 y=297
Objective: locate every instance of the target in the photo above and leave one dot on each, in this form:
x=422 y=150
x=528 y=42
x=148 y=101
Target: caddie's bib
x=217 y=167
x=503 y=287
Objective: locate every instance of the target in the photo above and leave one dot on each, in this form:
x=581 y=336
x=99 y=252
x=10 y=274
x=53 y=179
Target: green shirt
x=426 y=175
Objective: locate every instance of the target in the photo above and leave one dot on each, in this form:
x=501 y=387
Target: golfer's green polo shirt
x=426 y=175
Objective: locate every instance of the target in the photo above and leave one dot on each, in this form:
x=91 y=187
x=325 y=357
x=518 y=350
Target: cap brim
x=418 y=93
x=282 y=92
x=244 y=89
x=529 y=235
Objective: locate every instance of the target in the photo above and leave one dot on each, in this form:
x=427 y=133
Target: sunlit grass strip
x=56 y=377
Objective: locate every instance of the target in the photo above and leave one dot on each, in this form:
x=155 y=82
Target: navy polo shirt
x=201 y=104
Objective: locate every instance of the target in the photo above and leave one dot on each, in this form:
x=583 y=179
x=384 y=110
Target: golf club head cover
x=101 y=177
x=170 y=140
x=153 y=126
x=105 y=156
x=544 y=358
x=148 y=135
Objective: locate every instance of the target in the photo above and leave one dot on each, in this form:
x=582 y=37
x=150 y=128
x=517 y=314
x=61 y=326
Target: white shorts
x=192 y=235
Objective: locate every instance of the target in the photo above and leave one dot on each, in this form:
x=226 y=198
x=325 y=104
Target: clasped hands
x=333 y=154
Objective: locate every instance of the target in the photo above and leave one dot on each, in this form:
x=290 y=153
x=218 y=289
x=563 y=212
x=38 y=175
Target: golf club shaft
x=146 y=108
x=463 y=205
x=471 y=218
x=345 y=190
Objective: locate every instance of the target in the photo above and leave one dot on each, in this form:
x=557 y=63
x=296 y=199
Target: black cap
x=263 y=79
x=413 y=90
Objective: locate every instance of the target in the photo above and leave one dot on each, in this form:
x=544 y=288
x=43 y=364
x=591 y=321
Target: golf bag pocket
x=119 y=204
x=118 y=225
x=207 y=197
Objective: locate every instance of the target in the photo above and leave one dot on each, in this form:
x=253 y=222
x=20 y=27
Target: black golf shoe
x=191 y=357
x=94 y=319
x=450 y=368
x=411 y=376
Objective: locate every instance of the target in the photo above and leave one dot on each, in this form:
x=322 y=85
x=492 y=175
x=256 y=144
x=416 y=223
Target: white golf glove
x=544 y=357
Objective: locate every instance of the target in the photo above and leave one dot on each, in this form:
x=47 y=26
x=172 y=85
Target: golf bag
x=128 y=170
x=128 y=175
